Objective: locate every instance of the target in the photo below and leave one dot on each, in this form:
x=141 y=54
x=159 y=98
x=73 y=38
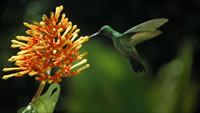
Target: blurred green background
x=109 y=85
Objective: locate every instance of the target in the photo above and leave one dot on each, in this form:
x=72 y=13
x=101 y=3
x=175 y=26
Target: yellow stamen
x=42 y=24
x=32 y=73
x=79 y=41
x=36 y=23
x=63 y=16
x=82 y=39
x=26 y=24
x=66 y=20
x=69 y=23
x=14 y=58
x=66 y=31
x=35 y=33
x=73 y=46
x=38 y=47
x=51 y=15
x=60 y=30
x=19 y=62
x=18 y=42
x=73 y=28
x=79 y=63
x=15 y=46
x=78 y=47
x=5 y=77
x=58 y=11
x=83 y=54
x=19 y=74
x=84 y=67
x=67 y=42
x=76 y=32
x=22 y=52
x=24 y=38
x=50 y=81
x=30 y=25
x=11 y=69
x=63 y=20
x=28 y=54
x=44 y=17
x=29 y=32
x=74 y=37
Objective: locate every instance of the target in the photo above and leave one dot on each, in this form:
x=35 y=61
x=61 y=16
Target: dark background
x=90 y=15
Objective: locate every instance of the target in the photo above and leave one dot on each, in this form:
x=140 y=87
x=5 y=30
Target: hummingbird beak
x=95 y=34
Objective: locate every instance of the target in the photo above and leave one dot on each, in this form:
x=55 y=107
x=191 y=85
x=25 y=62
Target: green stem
x=39 y=91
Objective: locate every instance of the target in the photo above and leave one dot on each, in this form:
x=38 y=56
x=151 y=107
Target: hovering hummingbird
x=125 y=42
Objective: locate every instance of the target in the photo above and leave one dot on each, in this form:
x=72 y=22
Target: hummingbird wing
x=148 y=25
x=141 y=36
x=142 y=32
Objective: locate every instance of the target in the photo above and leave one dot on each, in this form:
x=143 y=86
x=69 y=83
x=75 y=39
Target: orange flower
x=51 y=44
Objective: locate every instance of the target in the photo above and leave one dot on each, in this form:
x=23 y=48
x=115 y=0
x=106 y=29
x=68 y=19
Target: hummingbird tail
x=136 y=65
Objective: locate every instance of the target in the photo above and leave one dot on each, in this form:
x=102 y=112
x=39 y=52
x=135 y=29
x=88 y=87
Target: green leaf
x=45 y=103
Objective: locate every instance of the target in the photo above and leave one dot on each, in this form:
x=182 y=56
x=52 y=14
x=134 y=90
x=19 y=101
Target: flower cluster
x=50 y=44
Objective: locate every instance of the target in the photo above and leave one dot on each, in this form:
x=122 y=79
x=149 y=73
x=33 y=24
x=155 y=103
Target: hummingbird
x=125 y=42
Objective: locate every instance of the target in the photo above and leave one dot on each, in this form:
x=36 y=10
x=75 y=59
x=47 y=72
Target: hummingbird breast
x=131 y=54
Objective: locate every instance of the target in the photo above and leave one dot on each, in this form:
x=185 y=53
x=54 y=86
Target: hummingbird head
x=104 y=31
